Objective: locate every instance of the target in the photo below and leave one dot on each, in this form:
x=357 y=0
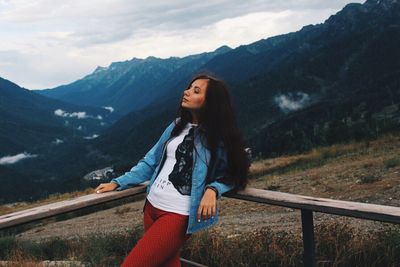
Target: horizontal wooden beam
x=61 y=207
x=325 y=205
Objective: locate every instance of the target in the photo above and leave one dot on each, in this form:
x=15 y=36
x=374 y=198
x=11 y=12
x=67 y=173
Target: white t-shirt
x=163 y=194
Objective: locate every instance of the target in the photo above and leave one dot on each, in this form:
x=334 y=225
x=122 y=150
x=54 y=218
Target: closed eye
x=195 y=88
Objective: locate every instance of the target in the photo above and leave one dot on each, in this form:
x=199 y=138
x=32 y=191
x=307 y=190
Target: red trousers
x=164 y=235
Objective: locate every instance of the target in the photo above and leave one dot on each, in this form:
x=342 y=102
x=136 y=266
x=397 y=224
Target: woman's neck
x=195 y=120
x=195 y=117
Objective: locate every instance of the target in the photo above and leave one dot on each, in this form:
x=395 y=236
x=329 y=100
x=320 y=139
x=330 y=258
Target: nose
x=186 y=92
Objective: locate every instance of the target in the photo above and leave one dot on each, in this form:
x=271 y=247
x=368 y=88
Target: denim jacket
x=149 y=166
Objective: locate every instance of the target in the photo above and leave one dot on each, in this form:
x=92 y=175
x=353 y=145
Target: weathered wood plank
x=325 y=205
x=57 y=208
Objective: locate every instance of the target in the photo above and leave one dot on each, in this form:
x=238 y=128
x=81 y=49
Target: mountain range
x=29 y=120
x=133 y=84
x=337 y=81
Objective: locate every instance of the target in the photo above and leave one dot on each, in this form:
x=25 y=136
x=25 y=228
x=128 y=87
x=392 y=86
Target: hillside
x=35 y=133
x=363 y=172
x=29 y=121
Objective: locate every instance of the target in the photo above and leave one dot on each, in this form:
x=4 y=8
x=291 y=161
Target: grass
x=354 y=171
x=313 y=158
x=322 y=155
x=392 y=162
x=122 y=210
x=95 y=250
x=337 y=244
x=367 y=179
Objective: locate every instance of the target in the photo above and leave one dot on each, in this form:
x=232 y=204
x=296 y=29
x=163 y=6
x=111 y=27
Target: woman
x=199 y=157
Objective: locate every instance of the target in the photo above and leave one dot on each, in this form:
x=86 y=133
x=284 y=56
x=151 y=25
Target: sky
x=47 y=43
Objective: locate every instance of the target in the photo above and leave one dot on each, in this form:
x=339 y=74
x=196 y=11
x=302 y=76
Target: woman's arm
x=208 y=203
x=220 y=171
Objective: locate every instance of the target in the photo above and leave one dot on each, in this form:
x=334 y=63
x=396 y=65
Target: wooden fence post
x=307 y=225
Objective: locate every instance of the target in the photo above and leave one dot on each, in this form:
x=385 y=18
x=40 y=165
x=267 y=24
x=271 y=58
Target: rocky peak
x=223 y=49
x=99 y=69
x=385 y=4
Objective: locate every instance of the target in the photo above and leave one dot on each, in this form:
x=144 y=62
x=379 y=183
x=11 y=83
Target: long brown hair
x=218 y=121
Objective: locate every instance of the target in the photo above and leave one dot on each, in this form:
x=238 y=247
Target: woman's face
x=195 y=96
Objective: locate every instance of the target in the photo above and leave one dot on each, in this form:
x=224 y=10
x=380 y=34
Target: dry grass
x=337 y=244
x=364 y=171
x=122 y=210
x=316 y=155
x=19 y=258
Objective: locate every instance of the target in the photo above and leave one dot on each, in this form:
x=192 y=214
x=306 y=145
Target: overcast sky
x=46 y=43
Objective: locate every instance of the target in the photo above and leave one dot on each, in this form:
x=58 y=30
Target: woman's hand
x=106 y=187
x=208 y=205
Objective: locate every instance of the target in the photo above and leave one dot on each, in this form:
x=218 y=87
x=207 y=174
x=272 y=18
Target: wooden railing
x=306 y=204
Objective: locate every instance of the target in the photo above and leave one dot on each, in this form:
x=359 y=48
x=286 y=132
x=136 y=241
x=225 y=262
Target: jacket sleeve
x=220 y=171
x=146 y=166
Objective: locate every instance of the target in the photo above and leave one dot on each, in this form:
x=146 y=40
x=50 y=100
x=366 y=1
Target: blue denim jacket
x=148 y=168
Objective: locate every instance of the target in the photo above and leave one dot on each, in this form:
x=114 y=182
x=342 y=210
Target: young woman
x=200 y=156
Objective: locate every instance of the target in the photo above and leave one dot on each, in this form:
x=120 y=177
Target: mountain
x=35 y=133
x=28 y=120
x=326 y=83
x=347 y=70
x=332 y=82
x=130 y=85
x=332 y=61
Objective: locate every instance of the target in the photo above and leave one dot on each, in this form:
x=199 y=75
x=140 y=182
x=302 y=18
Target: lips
x=184 y=99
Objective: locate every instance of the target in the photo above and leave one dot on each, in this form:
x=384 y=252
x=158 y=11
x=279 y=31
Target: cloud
x=78 y=115
x=58 y=141
x=46 y=43
x=14 y=159
x=111 y=109
x=91 y=137
x=292 y=101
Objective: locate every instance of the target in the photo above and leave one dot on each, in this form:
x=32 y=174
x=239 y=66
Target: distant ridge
x=132 y=84
x=327 y=83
